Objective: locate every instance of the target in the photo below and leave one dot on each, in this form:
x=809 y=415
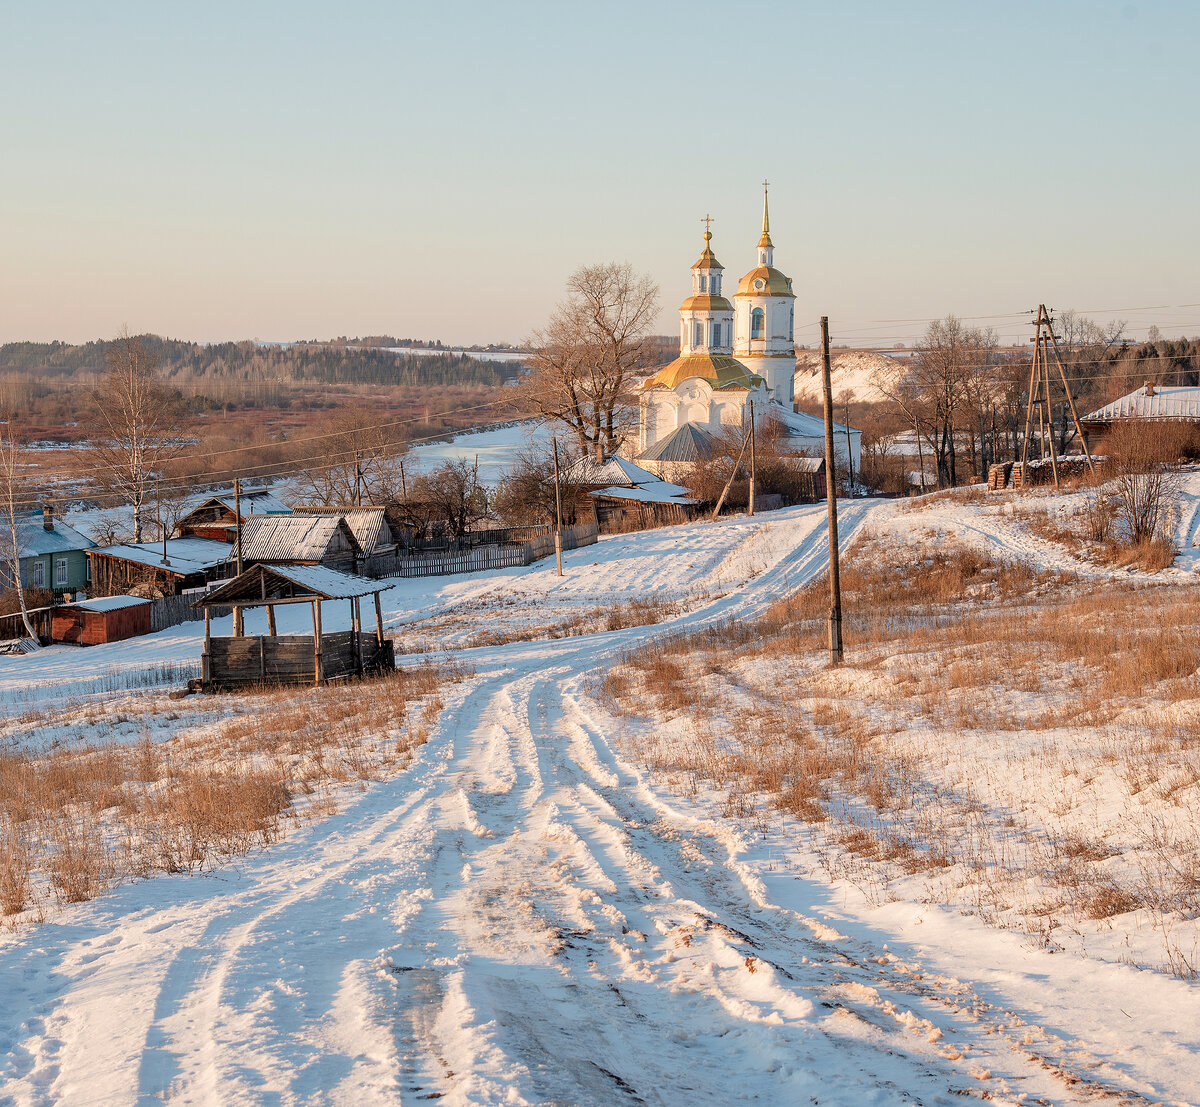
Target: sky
x=437 y=170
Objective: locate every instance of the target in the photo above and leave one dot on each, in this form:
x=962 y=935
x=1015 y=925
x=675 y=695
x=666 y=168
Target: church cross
x=765 y=184
x=707 y=221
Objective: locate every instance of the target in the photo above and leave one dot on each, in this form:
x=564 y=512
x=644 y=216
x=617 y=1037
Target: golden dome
x=720 y=370
x=774 y=283
x=706 y=302
x=707 y=259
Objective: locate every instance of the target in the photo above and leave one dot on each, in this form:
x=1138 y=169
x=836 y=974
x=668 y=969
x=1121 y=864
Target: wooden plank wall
x=259 y=659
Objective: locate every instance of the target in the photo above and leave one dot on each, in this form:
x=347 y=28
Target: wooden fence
x=13 y=626
x=432 y=563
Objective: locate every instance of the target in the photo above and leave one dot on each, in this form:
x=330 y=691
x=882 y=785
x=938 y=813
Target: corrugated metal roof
x=368 y=524
x=256 y=503
x=35 y=540
x=279 y=538
x=1165 y=403
x=688 y=443
x=186 y=555
x=808 y=464
x=108 y=603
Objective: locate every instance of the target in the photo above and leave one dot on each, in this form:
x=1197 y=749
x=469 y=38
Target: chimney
x=48 y=516
x=1149 y=388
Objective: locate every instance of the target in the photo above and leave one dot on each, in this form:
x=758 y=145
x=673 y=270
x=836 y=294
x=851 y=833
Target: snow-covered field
x=528 y=915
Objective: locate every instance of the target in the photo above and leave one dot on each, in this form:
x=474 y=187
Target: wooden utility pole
x=753 y=459
x=161 y=527
x=1039 y=396
x=557 y=512
x=835 y=580
x=238 y=626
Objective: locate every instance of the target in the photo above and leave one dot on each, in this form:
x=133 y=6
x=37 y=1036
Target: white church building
x=733 y=359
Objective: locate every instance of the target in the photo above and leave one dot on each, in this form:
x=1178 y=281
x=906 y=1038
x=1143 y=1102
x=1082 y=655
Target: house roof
x=614 y=470
x=800 y=424
x=688 y=443
x=108 y=603
x=253 y=503
x=369 y=524
x=655 y=492
x=262 y=583
x=35 y=540
x=186 y=555
x=292 y=537
x=808 y=464
x=1162 y=403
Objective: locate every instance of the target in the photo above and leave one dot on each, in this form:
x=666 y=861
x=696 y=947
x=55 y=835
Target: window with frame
x=716 y=334
x=703 y=283
x=60 y=571
x=37 y=574
x=698 y=335
x=757 y=323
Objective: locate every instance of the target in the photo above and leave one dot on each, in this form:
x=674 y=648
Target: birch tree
x=11 y=492
x=137 y=424
x=590 y=354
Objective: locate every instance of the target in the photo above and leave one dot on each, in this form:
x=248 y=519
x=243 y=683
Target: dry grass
x=1024 y=745
x=77 y=817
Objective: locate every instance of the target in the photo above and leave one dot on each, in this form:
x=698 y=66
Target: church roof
x=689 y=443
x=720 y=370
x=613 y=470
x=774 y=283
x=706 y=303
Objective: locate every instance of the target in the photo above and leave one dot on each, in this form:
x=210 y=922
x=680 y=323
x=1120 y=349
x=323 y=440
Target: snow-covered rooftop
x=288 y=537
x=615 y=470
x=109 y=603
x=653 y=492
x=1151 y=402
x=35 y=540
x=184 y=555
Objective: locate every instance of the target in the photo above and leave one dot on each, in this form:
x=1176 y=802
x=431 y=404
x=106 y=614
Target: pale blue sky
x=282 y=170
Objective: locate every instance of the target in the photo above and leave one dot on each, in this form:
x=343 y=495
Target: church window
x=716 y=334
x=703 y=283
x=699 y=335
x=757 y=323
x=791 y=322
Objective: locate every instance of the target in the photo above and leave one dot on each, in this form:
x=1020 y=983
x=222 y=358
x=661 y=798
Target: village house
x=189 y=563
x=324 y=539
x=217 y=517
x=52 y=554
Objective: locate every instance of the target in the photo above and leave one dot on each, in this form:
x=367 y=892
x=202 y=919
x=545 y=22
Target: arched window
x=757 y=323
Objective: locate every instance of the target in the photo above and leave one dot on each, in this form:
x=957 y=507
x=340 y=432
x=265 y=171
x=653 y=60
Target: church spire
x=766 y=248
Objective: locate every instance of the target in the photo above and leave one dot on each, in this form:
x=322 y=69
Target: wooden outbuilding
x=189 y=563
x=246 y=660
x=218 y=517
x=108 y=619
x=300 y=540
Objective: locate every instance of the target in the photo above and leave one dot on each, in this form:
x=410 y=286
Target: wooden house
x=217 y=517
x=108 y=619
x=372 y=530
x=189 y=563
x=52 y=554
x=624 y=496
x=300 y=540
x=248 y=660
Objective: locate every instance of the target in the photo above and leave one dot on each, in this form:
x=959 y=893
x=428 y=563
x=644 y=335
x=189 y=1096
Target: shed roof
x=280 y=538
x=185 y=555
x=368 y=524
x=287 y=582
x=35 y=540
x=108 y=603
x=1181 y=402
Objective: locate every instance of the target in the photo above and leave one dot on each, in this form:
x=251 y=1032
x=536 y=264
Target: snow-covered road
x=521 y=917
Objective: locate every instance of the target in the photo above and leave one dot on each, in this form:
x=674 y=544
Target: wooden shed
x=300 y=540
x=109 y=619
x=247 y=660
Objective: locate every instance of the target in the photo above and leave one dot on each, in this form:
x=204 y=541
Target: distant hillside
x=249 y=361
x=853 y=371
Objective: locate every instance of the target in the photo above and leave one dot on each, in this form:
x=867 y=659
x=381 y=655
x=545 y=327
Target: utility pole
x=158 y=504
x=403 y=488
x=753 y=458
x=835 y=580
x=557 y=511
x=238 y=626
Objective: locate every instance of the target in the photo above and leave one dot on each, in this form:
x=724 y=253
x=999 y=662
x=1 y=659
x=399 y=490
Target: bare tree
x=1144 y=460
x=363 y=461
x=1087 y=350
x=590 y=353
x=12 y=489
x=451 y=495
x=138 y=424
x=526 y=494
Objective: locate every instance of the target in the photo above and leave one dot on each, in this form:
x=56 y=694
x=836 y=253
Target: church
x=734 y=358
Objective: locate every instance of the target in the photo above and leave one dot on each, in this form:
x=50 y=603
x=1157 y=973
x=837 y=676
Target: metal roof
x=108 y=603
x=185 y=555
x=291 y=537
x=800 y=424
x=35 y=540
x=1162 y=403
x=317 y=582
x=368 y=524
x=690 y=442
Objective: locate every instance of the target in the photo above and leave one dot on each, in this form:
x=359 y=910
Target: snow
x=527 y=916
x=496 y=449
x=853 y=372
x=109 y=603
